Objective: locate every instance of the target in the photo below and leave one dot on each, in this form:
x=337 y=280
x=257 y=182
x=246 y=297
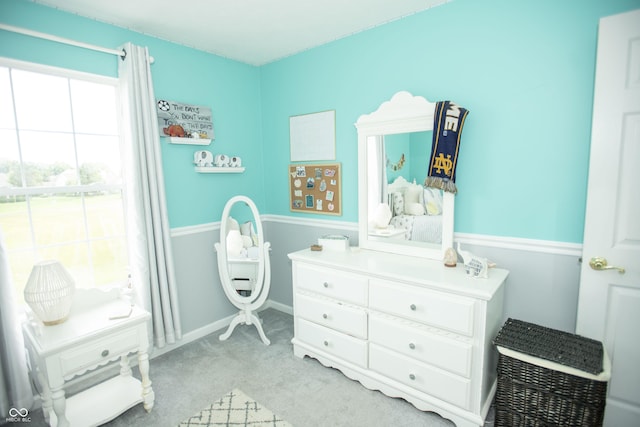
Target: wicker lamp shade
x=49 y=292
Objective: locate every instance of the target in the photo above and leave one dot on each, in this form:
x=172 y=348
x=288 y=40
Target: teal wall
x=524 y=69
x=231 y=89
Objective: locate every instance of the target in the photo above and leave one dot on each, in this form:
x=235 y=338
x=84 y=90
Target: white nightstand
x=87 y=340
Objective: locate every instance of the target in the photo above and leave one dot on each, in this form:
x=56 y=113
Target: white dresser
x=409 y=327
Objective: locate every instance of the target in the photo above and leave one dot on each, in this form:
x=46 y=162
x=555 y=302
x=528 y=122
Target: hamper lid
x=560 y=347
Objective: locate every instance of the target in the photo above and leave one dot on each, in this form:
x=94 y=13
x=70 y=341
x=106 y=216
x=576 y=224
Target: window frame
x=85 y=189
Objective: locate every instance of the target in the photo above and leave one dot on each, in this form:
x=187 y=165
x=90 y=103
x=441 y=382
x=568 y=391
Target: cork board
x=315 y=188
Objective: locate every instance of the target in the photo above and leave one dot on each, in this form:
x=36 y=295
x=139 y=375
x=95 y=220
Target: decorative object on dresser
x=334 y=242
x=101 y=329
x=450 y=257
x=49 y=292
x=475 y=265
x=406 y=326
x=243 y=263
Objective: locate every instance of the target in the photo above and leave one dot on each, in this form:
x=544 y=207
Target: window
x=61 y=177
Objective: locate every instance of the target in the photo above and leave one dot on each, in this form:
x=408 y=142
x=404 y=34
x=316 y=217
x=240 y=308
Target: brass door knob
x=599 y=263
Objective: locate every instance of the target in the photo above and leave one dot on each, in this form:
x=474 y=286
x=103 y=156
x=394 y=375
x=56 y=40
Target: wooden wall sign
x=315 y=188
x=183 y=120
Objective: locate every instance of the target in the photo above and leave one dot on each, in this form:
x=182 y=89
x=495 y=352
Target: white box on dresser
x=407 y=326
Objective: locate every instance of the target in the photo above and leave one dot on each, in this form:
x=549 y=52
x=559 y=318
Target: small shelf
x=116 y=395
x=210 y=169
x=189 y=141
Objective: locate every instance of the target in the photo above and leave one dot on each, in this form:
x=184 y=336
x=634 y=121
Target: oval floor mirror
x=243 y=262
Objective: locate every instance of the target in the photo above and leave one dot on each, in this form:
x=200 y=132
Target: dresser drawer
x=350 y=320
x=98 y=352
x=415 y=341
x=420 y=376
x=451 y=312
x=331 y=283
x=340 y=345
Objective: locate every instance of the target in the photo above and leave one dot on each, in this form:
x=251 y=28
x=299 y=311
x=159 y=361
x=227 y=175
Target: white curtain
x=152 y=270
x=15 y=390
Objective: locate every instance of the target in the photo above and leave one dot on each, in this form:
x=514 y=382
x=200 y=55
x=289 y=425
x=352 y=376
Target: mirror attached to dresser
x=397 y=213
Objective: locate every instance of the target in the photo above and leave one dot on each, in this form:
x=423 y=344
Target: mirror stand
x=245 y=276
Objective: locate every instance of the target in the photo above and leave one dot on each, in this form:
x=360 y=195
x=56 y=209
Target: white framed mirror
x=243 y=262
x=394 y=148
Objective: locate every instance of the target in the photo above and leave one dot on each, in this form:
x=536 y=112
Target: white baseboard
x=194 y=335
x=214 y=327
x=278 y=306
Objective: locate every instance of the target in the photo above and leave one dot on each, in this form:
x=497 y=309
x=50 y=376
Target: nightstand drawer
x=341 y=345
x=332 y=283
x=420 y=376
x=451 y=312
x=413 y=340
x=350 y=320
x=99 y=352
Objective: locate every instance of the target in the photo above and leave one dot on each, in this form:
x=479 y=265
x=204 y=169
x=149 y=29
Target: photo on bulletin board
x=315 y=188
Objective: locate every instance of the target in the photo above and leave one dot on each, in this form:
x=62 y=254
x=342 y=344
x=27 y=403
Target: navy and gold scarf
x=448 y=121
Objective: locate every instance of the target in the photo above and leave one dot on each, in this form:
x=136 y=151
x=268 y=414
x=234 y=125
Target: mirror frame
x=257 y=297
x=403 y=113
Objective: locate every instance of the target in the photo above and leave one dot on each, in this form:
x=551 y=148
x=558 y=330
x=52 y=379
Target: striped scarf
x=448 y=121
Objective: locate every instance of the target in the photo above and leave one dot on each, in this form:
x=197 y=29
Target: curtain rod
x=121 y=53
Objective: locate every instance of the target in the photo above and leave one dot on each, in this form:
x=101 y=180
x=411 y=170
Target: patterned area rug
x=235 y=409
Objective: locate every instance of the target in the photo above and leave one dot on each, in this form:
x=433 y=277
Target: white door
x=609 y=302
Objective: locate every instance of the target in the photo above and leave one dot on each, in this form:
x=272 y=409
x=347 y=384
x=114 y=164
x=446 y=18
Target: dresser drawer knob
x=412 y=346
x=412 y=307
x=324 y=316
x=325 y=284
x=326 y=343
x=412 y=377
x=105 y=353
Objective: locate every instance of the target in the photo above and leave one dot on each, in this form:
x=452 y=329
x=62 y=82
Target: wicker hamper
x=549 y=378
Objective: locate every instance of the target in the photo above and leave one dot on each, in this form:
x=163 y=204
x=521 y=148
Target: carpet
x=235 y=409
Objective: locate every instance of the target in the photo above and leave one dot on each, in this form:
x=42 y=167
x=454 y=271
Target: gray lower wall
x=201 y=298
x=542 y=286
x=286 y=238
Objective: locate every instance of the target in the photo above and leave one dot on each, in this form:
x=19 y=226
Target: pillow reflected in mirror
x=433 y=201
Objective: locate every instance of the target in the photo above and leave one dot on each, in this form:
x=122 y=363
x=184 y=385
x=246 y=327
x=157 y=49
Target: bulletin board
x=315 y=188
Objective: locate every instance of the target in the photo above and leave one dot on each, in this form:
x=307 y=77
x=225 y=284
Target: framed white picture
x=313 y=136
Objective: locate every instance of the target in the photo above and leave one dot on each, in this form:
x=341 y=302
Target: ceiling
x=255 y=32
